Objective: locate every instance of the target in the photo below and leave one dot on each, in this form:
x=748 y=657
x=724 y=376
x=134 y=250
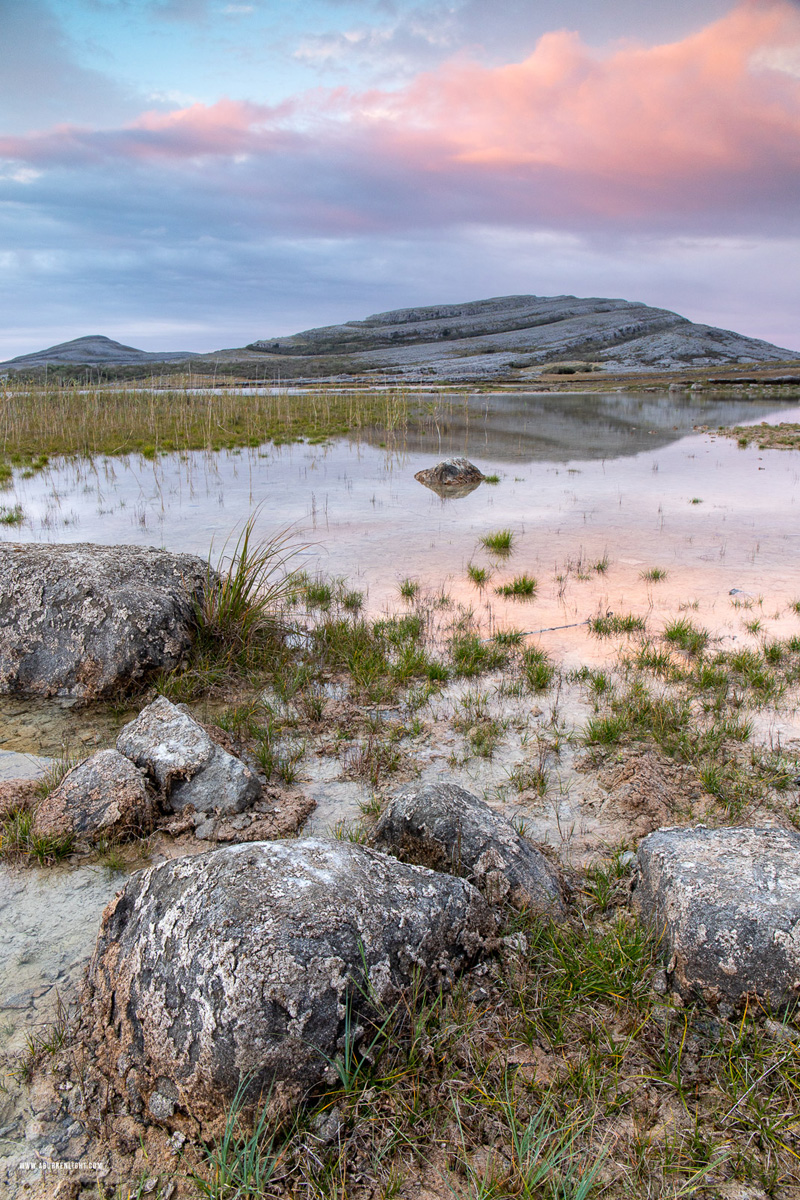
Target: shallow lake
x=634 y=481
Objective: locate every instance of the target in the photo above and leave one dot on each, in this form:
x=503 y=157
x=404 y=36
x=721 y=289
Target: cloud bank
x=694 y=139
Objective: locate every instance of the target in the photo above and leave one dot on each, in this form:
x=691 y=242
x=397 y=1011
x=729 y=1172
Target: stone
x=17 y=795
x=255 y=962
x=187 y=766
x=727 y=905
x=452 y=478
x=92 y=621
x=447 y=828
x=104 y=796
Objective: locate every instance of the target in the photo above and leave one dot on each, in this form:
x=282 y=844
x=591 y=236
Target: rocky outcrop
x=452 y=478
x=186 y=765
x=727 y=904
x=449 y=829
x=90 y=621
x=263 y=962
x=104 y=796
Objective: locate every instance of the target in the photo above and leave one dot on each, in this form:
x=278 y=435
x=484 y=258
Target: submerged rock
x=103 y=796
x=727 y=902
x=257 y=962
x=187 y=766
x=89 y=621
x=453 y=477
x=449 y=829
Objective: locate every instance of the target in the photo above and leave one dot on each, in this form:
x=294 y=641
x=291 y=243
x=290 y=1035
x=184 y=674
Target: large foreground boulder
x=186 y=765
x=104 y=796
x=90 y=621
x=447 y=828
x=727 y=902
x=452 y=478
x=256 y=962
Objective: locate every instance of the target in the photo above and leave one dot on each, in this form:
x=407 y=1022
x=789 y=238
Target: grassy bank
x=37 y=423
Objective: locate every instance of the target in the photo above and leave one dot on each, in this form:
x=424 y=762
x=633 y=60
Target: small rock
x=187 y=766
x=727 y=902
x=447 y=828
x=104 y=795
x=452 y=478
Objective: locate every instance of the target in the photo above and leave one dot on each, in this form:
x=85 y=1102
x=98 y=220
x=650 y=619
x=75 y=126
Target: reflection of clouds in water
x=369 y=520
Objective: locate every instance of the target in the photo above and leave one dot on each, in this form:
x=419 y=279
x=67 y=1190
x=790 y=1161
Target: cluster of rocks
x=258 y=963
x=165 y=762
x=261 y=964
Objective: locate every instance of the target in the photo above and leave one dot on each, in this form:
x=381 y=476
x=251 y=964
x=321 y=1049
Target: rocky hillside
x=482 y=339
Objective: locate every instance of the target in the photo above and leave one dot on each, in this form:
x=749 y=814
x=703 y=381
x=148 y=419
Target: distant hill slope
x=94 y=350
x=489 y=336
x=478 y=340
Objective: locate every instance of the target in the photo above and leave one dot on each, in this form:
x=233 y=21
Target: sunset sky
x=194 y=174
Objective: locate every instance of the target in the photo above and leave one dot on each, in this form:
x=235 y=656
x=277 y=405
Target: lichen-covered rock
x=187 y=766
x=89 y=621
x=104 y=796
x=727 y=902
x=449 y=829
x=256 y=961
x=453 y=477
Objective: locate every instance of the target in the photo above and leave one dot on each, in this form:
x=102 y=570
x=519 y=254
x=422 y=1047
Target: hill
x=482 y=339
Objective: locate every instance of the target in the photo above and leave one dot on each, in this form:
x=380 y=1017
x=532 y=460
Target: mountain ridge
x=478 y=339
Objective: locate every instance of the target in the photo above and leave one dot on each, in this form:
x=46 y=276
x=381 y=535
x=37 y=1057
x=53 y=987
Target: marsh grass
x=612 y=624
x=37 y=421
x=246 y=591
x=20 y=841
x=499 y=543
x=521 y=587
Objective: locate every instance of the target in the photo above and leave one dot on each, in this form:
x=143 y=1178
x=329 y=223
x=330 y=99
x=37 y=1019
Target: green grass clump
x=537 y=668
x=19 y=840
x=11 y=515
x=491 y=479
x=472 y=656
x=409 y=589
x=318 y=594
x=606 y=730
x=612 y=624
x=522 y=587
x=508 y=637
x=243 y=597
x=499 y=543
x=479 y=575
x=682 y=633
x=654 y=575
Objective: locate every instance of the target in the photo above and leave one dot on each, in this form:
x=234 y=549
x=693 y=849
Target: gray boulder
x=727 y=902
x=186 y=765
x=90 y=621
x=452 y=478
x=103 y=796
x=257 y=962
x=449 y=829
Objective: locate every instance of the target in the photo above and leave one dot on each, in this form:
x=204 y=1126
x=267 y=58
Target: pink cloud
x=708 y=122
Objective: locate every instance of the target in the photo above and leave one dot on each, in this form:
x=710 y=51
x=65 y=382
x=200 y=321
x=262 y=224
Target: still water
x=631 y=480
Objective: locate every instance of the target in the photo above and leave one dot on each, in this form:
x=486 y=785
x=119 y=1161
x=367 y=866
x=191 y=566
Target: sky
x=197 y=174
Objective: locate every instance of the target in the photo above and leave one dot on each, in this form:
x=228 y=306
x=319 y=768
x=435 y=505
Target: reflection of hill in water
x=560 y=427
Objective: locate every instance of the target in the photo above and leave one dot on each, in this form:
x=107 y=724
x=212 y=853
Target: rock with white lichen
x=258 y=962
x=726 y=903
